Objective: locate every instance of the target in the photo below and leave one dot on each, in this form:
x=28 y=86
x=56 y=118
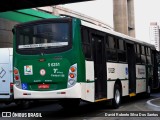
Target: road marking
x=149 y=103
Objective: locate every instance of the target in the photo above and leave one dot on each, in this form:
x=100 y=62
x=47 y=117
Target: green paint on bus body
x=56 y=69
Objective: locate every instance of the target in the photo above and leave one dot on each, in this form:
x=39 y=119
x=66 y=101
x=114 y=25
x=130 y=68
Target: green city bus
x=69 y=60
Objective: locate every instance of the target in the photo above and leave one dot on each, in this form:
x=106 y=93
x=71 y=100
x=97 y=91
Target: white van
x=6 y=75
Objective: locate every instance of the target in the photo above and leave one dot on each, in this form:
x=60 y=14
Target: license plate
x=43 y=86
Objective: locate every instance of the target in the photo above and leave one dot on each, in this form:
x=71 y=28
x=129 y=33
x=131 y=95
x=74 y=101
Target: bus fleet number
x=53 y=64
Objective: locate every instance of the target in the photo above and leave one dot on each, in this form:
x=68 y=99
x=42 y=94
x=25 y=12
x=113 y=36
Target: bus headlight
x=72 y=76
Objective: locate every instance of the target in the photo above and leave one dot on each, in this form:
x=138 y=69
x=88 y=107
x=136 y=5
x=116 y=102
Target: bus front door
x=99 y=66
x=131 y=68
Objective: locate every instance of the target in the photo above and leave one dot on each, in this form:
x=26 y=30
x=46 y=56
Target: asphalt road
x=91 y=111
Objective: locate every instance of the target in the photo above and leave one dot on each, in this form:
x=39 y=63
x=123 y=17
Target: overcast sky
x=146 y=11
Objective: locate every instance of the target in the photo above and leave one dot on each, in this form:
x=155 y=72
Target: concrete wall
x=123 y=15
x=131 y=21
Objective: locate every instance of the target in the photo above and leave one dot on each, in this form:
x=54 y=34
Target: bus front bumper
x=72 y=92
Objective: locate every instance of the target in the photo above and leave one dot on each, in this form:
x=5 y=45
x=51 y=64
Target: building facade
x=154 y=35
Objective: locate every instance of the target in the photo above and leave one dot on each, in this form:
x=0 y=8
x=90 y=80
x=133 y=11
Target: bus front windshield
x=43 y=36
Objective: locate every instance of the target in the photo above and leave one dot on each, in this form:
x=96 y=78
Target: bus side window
x=86 y=46
x=138 y=56
x=121 y=51
x=148 y=54
x=112 y=42
x=111 y=52
x=143 y=57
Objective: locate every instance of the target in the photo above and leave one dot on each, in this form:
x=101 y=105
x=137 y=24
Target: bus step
x=132 y=94
x=100 y=99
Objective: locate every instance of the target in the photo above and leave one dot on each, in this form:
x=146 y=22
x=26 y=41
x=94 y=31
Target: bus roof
x=93 y=26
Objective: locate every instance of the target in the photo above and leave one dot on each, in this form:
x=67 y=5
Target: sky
x=146 y=11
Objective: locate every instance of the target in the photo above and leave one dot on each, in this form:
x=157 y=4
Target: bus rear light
x=61 y=92
x=16 y=74
x=72 y=69
x=17 y=80
x=72 y=76
x=11 y=90
x=15 y=71
x=24 y=93
x=11 y=87
x=16 y=77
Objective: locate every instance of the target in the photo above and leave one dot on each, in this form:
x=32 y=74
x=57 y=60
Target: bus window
x=86 y=43
x=148 y=60
x=107 y=44
x=138 y=49
x=111 y=55
x=121 y=45
x=43 y=36
x=112 y=42
x=138 y=59
x=138 y=55
x=87 y=51
x=85 y=36
x=143 y=57
x=111 y=52
x=143 y=50
x=149 y=51
x=121 y=56
x=121 y=51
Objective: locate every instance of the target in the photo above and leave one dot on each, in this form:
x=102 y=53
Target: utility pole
x=123 y=16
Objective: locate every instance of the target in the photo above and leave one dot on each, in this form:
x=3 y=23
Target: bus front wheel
x=117 y=97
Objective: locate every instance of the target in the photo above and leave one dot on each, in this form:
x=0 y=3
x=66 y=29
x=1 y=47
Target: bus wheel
x=117 y=97
x=69 y=103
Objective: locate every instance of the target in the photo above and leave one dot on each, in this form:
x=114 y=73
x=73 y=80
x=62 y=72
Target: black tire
x=69 y=103
x=116 y=101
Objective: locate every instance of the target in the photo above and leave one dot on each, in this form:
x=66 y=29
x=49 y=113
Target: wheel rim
x=117 y=96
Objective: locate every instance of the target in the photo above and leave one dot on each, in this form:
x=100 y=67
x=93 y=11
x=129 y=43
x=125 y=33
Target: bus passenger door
x=99 y=66
x=155 y=82
x=131 y=68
